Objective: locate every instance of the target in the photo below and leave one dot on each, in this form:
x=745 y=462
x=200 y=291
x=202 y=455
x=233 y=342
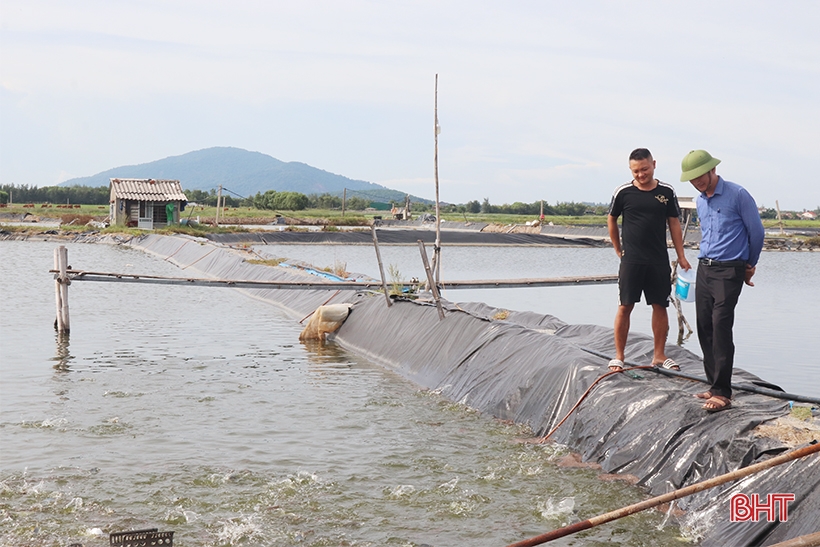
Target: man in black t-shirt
x=648 y=206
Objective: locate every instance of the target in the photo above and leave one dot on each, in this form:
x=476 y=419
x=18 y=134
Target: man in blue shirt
x=731 y=241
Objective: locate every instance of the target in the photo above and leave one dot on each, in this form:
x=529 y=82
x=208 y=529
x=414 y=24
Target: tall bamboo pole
x=437 y=249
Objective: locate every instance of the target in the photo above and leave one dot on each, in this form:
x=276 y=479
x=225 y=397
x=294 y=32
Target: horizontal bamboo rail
x=79 y=275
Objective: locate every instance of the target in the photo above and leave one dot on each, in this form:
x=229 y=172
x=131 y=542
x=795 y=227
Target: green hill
x=244 y=173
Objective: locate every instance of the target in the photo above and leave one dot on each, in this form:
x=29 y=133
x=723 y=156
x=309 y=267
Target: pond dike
x=405 y=237
x=533 y=368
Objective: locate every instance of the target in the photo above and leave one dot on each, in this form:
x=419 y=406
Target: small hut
x=146 y=203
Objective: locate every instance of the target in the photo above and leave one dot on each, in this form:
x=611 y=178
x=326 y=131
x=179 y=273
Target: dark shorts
x=653 y=280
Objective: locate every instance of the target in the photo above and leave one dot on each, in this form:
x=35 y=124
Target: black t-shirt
x=643 y=231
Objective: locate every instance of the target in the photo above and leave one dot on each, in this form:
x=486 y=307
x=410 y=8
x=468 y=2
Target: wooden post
x=344 y=200
x=218 y=200
x=58 y=320
x=61 y=283
x=381 y=268
x=779 y=220
x=430 y=282
x=676 y=301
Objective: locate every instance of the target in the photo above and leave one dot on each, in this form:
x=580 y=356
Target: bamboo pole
x=671 y=496
x=809 y=540
x=430 y=282
x=437 y=248
x=381 y=268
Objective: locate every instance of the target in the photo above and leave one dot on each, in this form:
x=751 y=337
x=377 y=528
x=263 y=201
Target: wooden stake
x=430 y=282
x=381 y=268
x=218 y=200
x=676 y=301
x=58 y=320
x=61 y=283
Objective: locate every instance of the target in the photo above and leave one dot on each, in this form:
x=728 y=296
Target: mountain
x=245 y=173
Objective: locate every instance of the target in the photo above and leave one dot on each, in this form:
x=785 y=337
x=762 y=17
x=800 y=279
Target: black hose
x=779 y=394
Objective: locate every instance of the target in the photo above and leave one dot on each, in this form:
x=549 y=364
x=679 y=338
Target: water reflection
x=63 y=357
x=320 y=351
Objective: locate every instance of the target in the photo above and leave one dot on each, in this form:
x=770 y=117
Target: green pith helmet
x=696 y=163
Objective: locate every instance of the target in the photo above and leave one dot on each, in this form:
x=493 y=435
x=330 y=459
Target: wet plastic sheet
x=532 y=369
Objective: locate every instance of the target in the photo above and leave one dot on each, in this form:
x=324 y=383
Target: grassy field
x=327 y=217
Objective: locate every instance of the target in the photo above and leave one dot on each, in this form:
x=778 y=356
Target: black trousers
x=717 y=291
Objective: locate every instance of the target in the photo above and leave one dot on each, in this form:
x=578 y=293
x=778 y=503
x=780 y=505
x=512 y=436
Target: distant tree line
x=296 y=201
x=88 y=195
x=275 y=201
x=531 y=209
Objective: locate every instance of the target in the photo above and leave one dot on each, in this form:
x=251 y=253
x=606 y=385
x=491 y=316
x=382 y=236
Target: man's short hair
x=640 y=154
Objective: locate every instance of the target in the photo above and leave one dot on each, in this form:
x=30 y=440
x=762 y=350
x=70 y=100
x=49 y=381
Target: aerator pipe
x=671 y=496
x=742 y=387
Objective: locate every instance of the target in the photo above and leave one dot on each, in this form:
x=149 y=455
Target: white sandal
x=669 y=364
x=616 y=365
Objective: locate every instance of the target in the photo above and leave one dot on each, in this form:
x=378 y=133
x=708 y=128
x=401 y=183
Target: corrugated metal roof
x=147 y=190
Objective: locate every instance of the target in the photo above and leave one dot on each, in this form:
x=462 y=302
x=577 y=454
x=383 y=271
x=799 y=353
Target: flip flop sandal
x=704 y=395
x=669 y=364
x=616 y=365
x=717 y=403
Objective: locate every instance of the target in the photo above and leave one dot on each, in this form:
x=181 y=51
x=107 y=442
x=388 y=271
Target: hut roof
x=147 y=190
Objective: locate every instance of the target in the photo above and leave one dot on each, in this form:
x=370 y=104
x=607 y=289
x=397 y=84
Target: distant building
x=400 y=213
x=808 y=215
x=146 y=203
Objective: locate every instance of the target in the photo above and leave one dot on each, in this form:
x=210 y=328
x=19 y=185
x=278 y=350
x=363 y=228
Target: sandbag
x=324 y=320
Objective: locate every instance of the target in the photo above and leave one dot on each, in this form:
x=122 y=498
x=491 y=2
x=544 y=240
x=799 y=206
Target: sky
x=537 y=100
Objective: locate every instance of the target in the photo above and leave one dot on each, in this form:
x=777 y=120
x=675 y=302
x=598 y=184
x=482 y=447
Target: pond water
x=197 y=410
x=776 y=324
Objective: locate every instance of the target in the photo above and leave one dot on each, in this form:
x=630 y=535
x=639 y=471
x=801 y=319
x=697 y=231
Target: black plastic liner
x=402 y=237
x=532 y=369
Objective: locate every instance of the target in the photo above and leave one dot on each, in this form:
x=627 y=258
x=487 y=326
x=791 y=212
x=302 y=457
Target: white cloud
x=534 y=97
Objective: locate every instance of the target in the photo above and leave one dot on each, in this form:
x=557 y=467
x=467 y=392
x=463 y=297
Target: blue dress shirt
x=730 y=224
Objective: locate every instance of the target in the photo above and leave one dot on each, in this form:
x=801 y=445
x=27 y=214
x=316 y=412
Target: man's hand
x=683 y=263
x=750 y=271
